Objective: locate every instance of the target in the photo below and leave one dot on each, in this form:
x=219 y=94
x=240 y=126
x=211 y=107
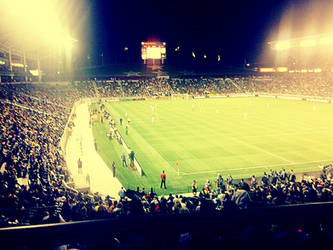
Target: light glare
x=282 y=45
x=308 y=43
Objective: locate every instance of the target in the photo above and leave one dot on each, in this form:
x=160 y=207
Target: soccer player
x=114 y=169
x=123 y=160
x=163 y=179
x=131 y=156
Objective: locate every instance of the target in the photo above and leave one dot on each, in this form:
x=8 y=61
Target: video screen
x=153 y=50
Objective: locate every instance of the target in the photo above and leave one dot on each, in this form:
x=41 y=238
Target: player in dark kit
x=163 y=179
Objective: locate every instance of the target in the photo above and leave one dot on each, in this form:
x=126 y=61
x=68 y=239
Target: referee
x=163 y=178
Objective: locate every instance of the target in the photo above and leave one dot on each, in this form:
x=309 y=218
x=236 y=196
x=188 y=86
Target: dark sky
x=234 y=29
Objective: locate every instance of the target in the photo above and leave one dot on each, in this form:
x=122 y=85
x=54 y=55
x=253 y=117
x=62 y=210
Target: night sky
x=234 y=29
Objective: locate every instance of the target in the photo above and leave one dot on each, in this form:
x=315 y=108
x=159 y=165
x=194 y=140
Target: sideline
x=81 y=145
x=259 y=166
x=260 y=149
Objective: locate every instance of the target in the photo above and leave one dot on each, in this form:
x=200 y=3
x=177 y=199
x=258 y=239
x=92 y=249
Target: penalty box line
x=255 y=167
x=260 y=149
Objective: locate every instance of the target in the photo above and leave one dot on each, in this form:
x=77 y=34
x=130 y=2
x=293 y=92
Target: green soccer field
x=238 y=136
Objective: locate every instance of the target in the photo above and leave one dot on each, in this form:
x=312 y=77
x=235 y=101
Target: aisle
x=81 y=145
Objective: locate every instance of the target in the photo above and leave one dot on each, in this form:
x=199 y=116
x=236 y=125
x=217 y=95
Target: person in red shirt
x=163 y=178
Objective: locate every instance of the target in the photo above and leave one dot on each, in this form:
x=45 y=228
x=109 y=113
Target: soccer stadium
x=151 y=137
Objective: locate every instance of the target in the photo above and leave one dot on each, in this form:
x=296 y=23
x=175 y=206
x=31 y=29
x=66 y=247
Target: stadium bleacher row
x=33 y=172
x=292 y=84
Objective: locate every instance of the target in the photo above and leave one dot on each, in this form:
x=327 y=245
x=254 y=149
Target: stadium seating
x=33 y=172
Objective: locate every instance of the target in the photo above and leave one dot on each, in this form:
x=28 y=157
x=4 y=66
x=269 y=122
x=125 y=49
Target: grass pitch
x=238 y=136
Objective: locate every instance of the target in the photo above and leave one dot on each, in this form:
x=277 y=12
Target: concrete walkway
x=81 y=145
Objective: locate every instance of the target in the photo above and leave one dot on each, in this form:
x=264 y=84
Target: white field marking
x=318 y=131
x=260 y=149
x=150 y=145
x=259 y=166
x=155 y=150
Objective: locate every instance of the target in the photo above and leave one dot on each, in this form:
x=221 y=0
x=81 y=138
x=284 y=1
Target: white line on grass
x=262 y=166
x=295 y=133
x=260 y=149
x=148 y=143
x=153 y=148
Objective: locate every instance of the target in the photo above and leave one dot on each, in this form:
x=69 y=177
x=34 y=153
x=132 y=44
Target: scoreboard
x=153 y=51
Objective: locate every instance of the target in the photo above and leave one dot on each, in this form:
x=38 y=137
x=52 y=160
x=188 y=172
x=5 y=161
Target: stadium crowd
x=287 y=84
x=33 y=172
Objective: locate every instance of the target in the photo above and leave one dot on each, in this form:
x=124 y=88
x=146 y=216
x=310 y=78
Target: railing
x=97 y=233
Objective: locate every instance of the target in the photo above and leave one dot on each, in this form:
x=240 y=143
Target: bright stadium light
x=37 y=21
x=308 y=43
x=282 y=69
x=67 y=42
x=266 y=70
x=326 y=40
x=282 y=45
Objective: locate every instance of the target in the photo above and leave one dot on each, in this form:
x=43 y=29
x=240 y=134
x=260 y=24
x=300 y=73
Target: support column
x=10 y=63
x=25 y=67
x=39 y=71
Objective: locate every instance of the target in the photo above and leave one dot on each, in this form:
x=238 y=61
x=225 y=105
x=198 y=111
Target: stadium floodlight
x=204 y=56
x=308 y=43
x=327 y=40
x=218 y=58
x=266 y=70
x=282 y=69
x=66 y=42
x=193 y=54
x=282 y=45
